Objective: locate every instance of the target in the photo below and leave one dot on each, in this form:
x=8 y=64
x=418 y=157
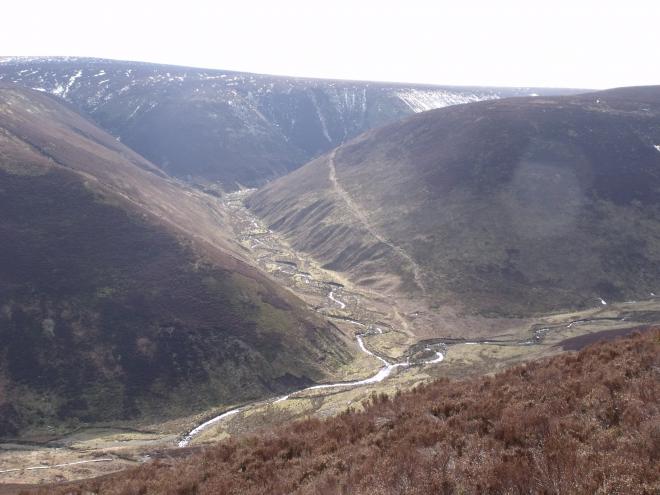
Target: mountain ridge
x=57 y=59
x=230 y=129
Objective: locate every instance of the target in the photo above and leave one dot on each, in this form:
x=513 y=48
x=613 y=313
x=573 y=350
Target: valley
x=147 y=317
x=329 y=248
x=392 y=358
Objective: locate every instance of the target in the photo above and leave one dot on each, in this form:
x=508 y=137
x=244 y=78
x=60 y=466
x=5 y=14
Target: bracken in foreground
x=584 y=422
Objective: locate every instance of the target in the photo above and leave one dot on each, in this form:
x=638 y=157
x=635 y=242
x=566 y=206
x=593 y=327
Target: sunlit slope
x=500 y=208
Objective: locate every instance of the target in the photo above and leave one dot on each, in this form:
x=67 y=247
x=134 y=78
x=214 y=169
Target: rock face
x=501 y=208
x=121 y=294
x=230 y=128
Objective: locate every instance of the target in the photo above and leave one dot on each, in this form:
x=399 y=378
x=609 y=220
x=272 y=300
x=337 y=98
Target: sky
x=557 y=43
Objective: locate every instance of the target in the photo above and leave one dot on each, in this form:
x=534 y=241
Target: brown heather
x=584 y=422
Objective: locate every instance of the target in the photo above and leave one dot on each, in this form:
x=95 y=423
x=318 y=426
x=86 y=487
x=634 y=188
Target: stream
x=381 y=375
x=259 y=237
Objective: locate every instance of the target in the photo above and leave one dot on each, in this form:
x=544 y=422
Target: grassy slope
x=582 y=422
x=509 y=208
x=110 y=310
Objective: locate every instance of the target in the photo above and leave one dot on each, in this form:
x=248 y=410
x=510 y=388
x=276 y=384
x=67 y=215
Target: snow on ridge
x=12 y=60
x=421 y=100
x=6 y=60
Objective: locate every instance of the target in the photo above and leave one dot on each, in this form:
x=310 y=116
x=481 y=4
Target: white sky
x=578 y=43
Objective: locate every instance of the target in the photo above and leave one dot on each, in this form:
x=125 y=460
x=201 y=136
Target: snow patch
x=58 y=90
x=324 y=125
x=71 y=82
x=421 y=100
x=134 y=111
x=27 y=59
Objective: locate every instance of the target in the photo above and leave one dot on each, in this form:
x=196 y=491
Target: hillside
x=582 y=422
x=229 y=128
x=506 y=208
x=122 y=296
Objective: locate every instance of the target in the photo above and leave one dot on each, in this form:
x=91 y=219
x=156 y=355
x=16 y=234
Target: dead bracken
x=584 y=422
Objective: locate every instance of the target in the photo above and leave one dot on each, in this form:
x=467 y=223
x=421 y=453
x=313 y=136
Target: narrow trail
x=359 y=214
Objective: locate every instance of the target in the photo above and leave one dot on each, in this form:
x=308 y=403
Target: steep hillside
x=227 y=127
x=121 y=295
x=584 y=422
x=502 y=208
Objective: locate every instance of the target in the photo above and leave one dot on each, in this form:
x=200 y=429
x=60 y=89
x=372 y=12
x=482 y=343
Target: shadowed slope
x=121 y=294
